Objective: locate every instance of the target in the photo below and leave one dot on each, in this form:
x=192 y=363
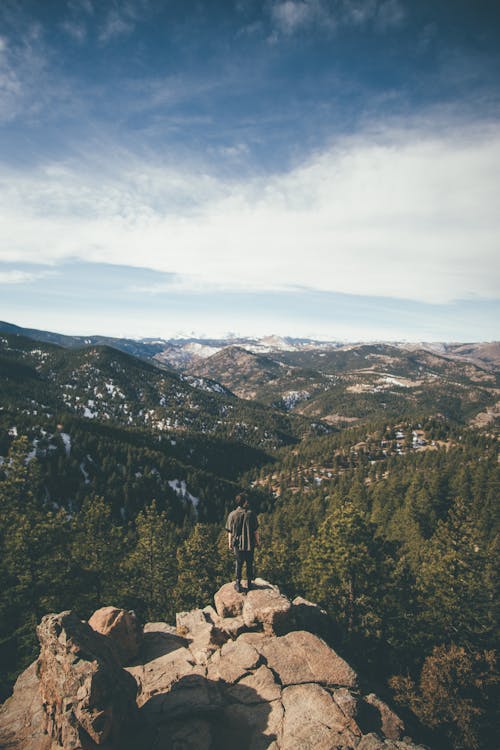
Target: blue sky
x=324 y=168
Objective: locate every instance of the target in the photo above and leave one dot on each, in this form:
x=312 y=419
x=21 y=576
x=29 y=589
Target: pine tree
x=98 y=550
x=452 y=580
x=151 y=567
x=343 y=570
x=199 y=571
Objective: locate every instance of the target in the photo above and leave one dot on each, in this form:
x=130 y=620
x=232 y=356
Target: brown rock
x=194 y=734
x=371 y=741
x=236 y=659
x=165 y=660
x=265 y=607
x=230 y=627
x=301 y=657
x=159 y=627
x=202 y=628
x=22 y=718
x=313 y=720
x=256 y=687
x=228 y=602
x=188 y=623
x=392 y=726
x=88 y=698
x=346 y=702
x=122 y=627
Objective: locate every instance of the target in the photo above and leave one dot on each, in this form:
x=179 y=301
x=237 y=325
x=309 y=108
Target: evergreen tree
x=151 y=566
x=344 y=570
x=199 y=568
x=456 y=594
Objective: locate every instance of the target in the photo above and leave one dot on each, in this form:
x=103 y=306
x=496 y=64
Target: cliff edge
x=250 y=672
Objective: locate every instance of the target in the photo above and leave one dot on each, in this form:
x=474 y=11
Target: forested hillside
x=116 y=476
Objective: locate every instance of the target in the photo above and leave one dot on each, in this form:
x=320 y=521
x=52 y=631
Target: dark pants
x=244 y=556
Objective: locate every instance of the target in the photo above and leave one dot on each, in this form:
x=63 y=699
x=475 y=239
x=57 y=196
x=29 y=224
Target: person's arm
x=256 y=538
x=229 y=526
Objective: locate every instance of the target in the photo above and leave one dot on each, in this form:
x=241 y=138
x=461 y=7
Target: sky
x=314 y=168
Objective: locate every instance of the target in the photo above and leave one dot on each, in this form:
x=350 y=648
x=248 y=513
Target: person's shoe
x=237 y=586
x=249 y=586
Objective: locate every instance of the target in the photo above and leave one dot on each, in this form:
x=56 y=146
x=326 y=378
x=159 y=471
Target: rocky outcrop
x=237 y=675
x=76 y=695
x=88 y=699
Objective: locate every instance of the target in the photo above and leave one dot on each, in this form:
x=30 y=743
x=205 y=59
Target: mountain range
x=221 y=386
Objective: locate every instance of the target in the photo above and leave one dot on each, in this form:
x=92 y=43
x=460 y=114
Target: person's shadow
x=201 y=714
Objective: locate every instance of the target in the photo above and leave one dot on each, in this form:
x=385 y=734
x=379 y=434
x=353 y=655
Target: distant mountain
x=320 y=381
x=181 y=353
x=261 y=377
x=98 y=382
x=176 y=353
x=146 y=348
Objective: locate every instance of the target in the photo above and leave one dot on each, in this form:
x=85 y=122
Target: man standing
x=243 y=536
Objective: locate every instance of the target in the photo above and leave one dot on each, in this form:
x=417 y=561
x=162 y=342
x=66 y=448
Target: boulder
x=122 y=627
x=236 y=659
x=313 y=721
x=88 y=699
x=203 y=631
x=165 y=660
x=228 y=602
x=301 y=657
x=200 y=685
x=265 y=607
x=391 y=725
x=187 y=623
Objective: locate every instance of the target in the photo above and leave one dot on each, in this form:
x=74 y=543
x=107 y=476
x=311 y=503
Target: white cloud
x=117 y=24
x=290 y=16
x=16 y=276
x=401 y=213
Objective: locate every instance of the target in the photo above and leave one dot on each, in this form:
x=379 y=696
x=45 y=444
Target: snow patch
x=85 y=473
x=67 y=442
x=180 y=489
x=291 y=398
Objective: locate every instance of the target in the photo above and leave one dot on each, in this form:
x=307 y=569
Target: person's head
x=242 y=500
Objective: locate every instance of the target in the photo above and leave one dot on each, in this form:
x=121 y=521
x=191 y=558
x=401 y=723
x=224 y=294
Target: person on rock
x=243 y=536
